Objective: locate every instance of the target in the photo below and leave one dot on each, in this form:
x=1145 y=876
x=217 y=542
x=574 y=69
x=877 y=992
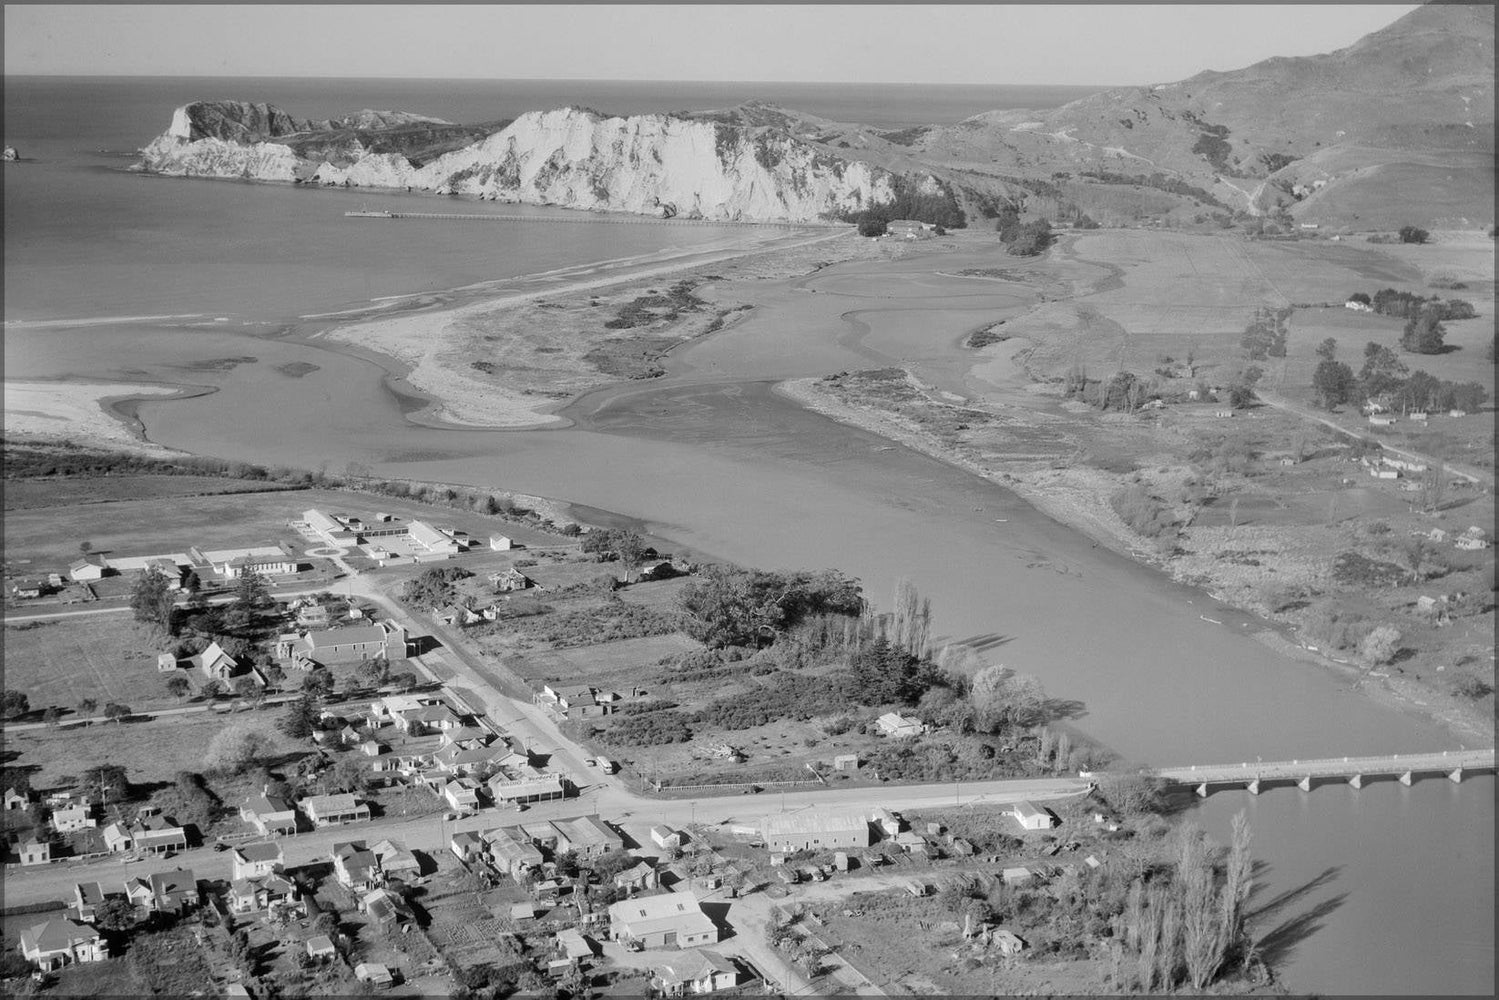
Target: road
x=1476 y=476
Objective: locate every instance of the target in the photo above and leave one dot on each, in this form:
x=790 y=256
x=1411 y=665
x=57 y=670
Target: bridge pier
x=1456 y=777
x=1356 y=781
x=1405 y=779
x=1253 y=787
x=1305 y=784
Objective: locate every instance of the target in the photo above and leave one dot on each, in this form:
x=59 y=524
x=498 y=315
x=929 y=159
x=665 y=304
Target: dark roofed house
x=173 y=891
x=356 y=867
x=695 y=971
x=257 y=860
x=335 y=810
x=269 y=814
x=385 y=907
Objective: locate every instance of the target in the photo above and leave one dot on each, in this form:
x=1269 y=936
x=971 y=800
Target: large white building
x=815 y=830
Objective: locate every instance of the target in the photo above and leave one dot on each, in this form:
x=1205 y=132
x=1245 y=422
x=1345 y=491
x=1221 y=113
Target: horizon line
x=567 y=79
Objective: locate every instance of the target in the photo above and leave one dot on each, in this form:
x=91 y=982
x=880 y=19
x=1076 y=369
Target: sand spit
x=78 y=411
x=436 y=348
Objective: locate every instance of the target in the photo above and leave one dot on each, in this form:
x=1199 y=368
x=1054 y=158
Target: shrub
x=1413 y=234
x=872 y=227
x=1145 y=514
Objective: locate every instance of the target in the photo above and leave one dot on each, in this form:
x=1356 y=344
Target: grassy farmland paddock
x=104 y=657
x=622 y=662
x=152 y=750
x=22 y=494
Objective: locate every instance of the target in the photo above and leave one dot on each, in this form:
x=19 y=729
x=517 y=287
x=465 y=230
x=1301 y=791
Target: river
x=723 y=464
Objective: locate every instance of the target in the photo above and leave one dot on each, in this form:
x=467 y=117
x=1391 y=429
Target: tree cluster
x=729 y=606
x=1265 y=336
x=1404 y=305
x=1025 y=239
x=618 y=543
x=910 y=202
x=432 y=588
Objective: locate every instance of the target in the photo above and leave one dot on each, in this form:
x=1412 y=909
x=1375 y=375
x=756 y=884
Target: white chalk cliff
x=648 y=164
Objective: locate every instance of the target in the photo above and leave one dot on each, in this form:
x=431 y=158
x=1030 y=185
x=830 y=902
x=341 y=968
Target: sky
x=1084 y=44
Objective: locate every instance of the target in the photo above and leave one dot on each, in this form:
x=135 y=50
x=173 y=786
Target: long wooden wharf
x=1405 y=768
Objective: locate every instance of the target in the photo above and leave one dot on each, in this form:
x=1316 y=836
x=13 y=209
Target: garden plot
x=610 y=662
x=104 y=657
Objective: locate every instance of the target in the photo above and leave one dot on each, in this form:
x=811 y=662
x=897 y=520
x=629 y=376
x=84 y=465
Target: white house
x=666 y=838
x=815 y=829
x=77 y=817
x=897 y=726
x=695 y=972
x=1031 y=817
x=257 y=860
x=60 y=941
x=674 y=920
x=501 y=543
x=89 y=568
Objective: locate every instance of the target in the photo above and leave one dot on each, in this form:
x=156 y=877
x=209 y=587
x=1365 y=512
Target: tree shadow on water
x=1295 y=925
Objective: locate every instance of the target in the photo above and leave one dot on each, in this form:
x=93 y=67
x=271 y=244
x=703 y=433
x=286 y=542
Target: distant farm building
x=1031 y=817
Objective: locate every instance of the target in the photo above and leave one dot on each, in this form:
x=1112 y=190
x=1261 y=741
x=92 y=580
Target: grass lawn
x=104 y=657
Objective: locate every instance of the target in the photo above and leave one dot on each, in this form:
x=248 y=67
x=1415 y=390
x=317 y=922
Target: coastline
x=88 y=412
x=1076 y=498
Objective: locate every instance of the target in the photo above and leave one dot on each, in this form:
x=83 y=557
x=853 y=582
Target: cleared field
x=104 y=657
x=49 y=537
x=607 y=661
x=150 y=751
x=21 y=494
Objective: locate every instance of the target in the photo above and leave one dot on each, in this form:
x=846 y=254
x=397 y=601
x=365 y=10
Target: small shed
x=321 y=946
x=373 y=973
x=846 y=762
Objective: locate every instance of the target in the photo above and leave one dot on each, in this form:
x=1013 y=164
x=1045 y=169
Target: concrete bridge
x=1405 y=768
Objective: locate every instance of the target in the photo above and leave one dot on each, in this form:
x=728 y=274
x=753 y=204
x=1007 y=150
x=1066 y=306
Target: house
x=321 y=946
x=572 y=701
x=846 y=762
x=328 y=647
x=523 y=911
x=28 y=588
x=59 y=941
x=571 y=946
x=588 y=836
x=899 y=727
x=1032 y=818
x=1457 y=413
x=312 y=616
x=373 y=973
x=385 y=907
x=270 y=815
x=637 y=879
x=89 y=568
x=35 y=852
x=214 y=663
x=86 y=898
x=666 y=838
x=672 y=920
x=1006 y=941
x=1419 y=415
x=467 y=846
x=356 y=867
x=257 y=860
x=537 y=788
x=460 y=796
x=1223 y=413
x=1381 y=419
x=908 y=229
x=173 y=892
x=16 y=799
x=815 y=829
x=79 y=817
x=1436 y=535
x=457 y=614
x=1016 y=876
x=396 y=859
x=500 y=543
x=272 y=892
x=426 y=720
x=1358 y=306
x=695 y=971
x=886 y=820
x=335 y=810
x=512 y=852
x=1471 y=543
x=373 y=748
x=151 y=833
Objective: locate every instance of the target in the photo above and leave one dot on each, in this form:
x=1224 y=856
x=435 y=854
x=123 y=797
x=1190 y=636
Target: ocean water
x=84 y=238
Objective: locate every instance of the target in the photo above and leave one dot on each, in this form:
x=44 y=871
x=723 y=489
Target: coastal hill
x=1396 y=128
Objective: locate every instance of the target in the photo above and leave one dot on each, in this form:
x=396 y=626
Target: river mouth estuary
x=1381 y=890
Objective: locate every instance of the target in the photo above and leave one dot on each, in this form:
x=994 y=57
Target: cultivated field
x=622 y=663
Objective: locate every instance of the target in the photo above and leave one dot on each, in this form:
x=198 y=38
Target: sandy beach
x=77 y=411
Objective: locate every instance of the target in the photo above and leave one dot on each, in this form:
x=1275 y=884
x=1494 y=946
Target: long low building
x=815 y=830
